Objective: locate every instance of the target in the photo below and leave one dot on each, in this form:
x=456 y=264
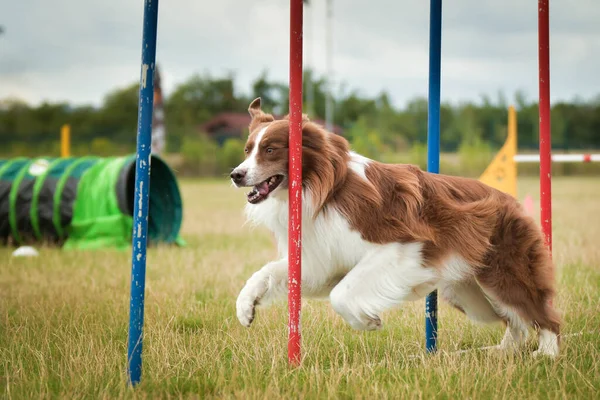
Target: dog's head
x=265 y=168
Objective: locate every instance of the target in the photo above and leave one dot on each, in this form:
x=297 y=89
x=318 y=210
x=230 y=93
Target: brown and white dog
x=377 y=235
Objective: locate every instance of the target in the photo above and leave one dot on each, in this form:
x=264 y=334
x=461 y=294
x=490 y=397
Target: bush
x=199 y=156
x=202 y=156
x=474 y=155
x=368 y=145
x=102 y=147
x=231 y=155
x=418 y=155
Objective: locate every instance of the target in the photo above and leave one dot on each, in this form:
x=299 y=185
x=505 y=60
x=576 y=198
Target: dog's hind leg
x=519 y=278
x=516 y=329
x=467 y=297
x=386 y=277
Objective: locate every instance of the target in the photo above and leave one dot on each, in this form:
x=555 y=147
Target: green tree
x=117 y=118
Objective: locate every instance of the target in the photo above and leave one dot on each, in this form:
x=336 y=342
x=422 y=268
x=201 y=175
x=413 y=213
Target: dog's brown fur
x=450 y=215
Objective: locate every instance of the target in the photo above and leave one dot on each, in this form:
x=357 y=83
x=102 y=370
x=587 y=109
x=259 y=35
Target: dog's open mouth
x=261 y=191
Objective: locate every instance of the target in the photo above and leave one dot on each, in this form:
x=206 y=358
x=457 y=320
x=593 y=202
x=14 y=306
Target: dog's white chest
x=329 y=246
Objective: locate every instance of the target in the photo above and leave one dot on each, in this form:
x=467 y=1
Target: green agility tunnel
x=84 y=203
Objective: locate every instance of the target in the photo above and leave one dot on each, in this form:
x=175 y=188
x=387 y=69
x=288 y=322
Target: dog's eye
x=246 y=150
x=269 y=150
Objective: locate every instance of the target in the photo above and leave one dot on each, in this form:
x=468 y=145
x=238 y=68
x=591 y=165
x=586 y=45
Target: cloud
x=79 y=51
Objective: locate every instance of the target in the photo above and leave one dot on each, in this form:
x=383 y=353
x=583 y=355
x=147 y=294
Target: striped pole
x=582 y=158
x=142 y=190
x=433 y=144
x=295 y=184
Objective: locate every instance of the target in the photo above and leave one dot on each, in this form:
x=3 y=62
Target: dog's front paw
x=250 y=296
x=246 y=309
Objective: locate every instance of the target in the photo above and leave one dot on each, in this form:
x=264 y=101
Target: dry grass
x=64 y=316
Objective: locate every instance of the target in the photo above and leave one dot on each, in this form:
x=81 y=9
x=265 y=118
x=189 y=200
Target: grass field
x=64 y=319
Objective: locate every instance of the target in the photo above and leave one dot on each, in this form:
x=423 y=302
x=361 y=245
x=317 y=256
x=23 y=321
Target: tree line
x=371 y=123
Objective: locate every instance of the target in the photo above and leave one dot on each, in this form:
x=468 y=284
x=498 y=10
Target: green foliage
x=231 y=154
x=202 y=156
x=118 y=116
x=101 y=146
x=196 y=100
x=365 y=141
x=199 y=155
x=474 y=155
x=418 y=155
x=374 y=126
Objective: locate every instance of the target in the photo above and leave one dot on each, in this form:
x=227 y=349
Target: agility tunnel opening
x=165 y=208
x=84 y=203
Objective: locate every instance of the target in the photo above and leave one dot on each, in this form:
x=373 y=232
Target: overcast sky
x=77 y=51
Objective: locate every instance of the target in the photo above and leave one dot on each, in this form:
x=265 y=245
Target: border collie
x=377 y=235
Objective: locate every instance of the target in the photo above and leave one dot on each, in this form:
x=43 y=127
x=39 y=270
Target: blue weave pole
x=142 y=191
x=433 y=144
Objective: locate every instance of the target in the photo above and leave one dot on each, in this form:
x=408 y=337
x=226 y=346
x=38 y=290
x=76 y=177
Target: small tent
x=84 y=203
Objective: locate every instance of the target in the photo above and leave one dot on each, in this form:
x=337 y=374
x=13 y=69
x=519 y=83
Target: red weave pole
x=295 y=183
x=544 y=110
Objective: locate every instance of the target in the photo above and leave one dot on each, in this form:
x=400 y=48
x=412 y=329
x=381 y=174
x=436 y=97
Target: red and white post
x=544 y=110
x=295 y=183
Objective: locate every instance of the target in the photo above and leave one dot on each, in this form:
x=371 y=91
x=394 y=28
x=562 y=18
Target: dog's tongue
x=263 y=188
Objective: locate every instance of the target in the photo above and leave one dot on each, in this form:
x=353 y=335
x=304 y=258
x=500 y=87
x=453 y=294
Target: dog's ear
x=254 y=108
x=257 y=114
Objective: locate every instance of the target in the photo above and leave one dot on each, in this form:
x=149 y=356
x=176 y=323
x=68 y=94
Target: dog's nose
x=238 y=175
